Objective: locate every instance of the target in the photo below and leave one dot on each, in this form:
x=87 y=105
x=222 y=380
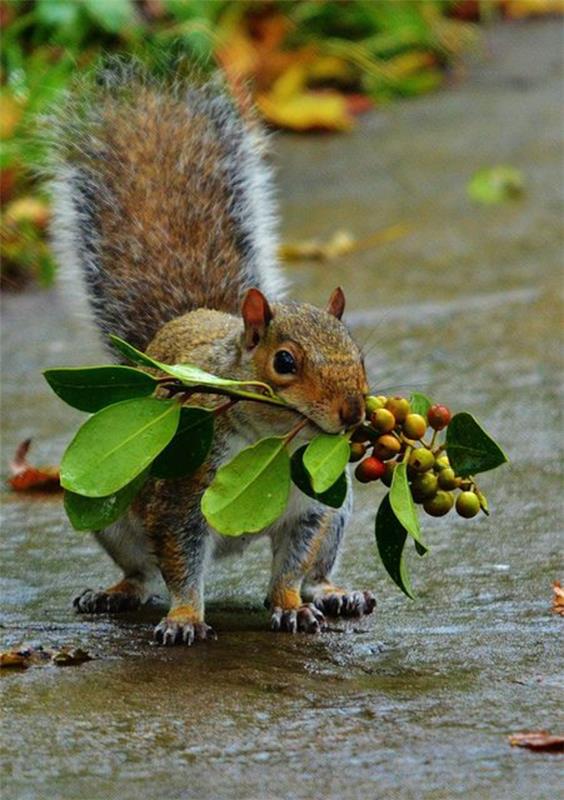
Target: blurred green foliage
x=296 y=55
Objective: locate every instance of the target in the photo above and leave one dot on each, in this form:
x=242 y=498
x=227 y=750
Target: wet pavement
x=418 y=700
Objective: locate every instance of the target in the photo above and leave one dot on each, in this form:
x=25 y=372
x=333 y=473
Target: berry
x=441 y=462
x=362 y=434
x=358 y=451
x=399 y=407
x=414 y=426
x=386 y=446
x=421 y=460
x=447 y=478
x=439 y=417
x=388 y=475
x=424 y=486
x=373 y=403
x=467 y=504
x=439 y=505
x=371 y=469
x=383 y=420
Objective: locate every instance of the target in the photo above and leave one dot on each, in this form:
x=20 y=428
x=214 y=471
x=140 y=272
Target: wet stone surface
x=418 y=700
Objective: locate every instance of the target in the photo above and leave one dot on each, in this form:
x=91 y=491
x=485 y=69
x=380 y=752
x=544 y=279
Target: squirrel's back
x=163 y=201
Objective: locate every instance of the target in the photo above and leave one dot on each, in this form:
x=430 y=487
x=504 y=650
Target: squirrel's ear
x=336 y=304
x=256 y=316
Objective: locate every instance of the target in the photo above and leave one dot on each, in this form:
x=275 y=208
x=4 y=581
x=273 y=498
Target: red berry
x=371 y=469
x=439 y=417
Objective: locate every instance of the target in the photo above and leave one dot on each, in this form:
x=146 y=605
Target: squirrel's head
x=308 y=357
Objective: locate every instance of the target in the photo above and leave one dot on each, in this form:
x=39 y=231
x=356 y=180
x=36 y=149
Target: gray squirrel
x=163 y=201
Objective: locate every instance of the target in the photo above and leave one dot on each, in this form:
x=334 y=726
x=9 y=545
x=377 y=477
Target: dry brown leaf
x=25 y=657
x=538 y=740
x=25 y=477
x=558 y=599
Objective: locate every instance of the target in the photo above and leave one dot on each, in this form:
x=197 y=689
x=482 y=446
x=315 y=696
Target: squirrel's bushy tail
x=163 y=201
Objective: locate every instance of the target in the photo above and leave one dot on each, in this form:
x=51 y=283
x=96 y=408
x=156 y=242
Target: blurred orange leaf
x=558 y=598
x=537 y=740
x=25 y=477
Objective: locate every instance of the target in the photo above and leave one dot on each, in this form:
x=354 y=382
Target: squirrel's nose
x=352 y=410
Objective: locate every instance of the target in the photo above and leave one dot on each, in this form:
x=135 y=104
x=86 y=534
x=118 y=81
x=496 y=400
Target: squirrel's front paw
x=340 y=603
x=307 y=619
x=173 y=631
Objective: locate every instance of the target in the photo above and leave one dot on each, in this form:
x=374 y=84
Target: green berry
x=371 y=469
x=399 y=407
x=424 y=486
x=414 y=426
x=383 y=420
x=421 y=460
x=447 y=478
x=439 y=417
x=358 y=451
x=441 y=462
x=386 y=446
x=373 y=403
x=388 y=475
x=439 y=505
x=467 y=504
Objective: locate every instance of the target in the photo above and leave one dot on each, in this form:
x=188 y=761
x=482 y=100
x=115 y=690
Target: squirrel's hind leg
x=318 y=587
x=126 y=543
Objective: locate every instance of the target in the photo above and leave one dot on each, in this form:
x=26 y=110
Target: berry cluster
x=394 y=434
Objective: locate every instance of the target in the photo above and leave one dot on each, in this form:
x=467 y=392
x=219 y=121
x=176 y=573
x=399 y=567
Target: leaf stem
x=295 y=430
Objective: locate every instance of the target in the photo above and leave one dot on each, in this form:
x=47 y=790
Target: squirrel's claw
x=305 y=619
x=169 y=632
x=346 y=604
x=100 y=602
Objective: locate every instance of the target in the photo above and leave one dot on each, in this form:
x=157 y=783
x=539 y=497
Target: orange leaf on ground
x=25 y=477
x=538 y=740
x=558 y=599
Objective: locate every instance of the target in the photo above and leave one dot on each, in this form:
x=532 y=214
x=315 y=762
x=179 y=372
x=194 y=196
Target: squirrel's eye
x=285 y=363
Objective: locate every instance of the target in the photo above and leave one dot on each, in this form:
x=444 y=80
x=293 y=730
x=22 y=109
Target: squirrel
x=163 y=199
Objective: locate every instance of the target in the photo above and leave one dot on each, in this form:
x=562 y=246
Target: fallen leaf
x=27 y=209
x=538 y=740
x=25 y=477
x=25 y=657
x=494 y=185
x=558 y=599
x=340 y=244
x=307 y=111
x=70 y=656
x=519 y=9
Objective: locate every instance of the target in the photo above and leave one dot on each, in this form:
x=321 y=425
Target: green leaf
x=390 y=541
x=251 y=491
x=403 y=506
x=191 y=375
x=420 y=403
x=117 y=444
x=334 y=496
x=470 y=449
x=325 y=458
x=494 y=185
x=190 y=446
x=97 y=513
x=93 y=388
x=113 y=16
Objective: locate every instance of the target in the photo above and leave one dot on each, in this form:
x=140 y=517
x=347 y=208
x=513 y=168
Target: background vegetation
x=313 y=65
